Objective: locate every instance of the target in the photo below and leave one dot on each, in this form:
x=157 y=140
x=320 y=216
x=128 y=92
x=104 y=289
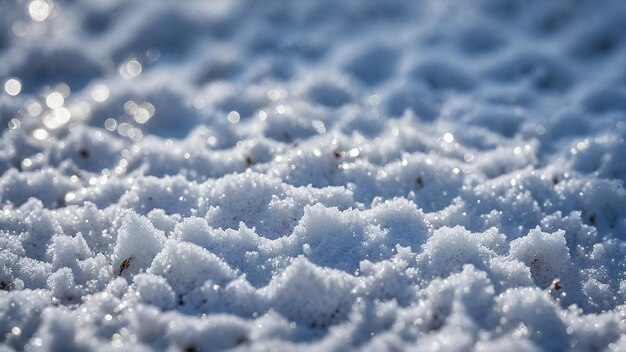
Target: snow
x=313 y=175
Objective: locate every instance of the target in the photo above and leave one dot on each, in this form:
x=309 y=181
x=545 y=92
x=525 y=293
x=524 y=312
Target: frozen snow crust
x=314 y=175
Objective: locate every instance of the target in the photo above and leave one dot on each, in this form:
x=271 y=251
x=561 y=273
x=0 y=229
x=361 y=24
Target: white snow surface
x=313 y=175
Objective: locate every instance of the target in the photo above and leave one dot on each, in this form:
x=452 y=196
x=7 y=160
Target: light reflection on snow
x=56 y=118
x=100 y=93
x=14 y=124
x=110 y=124
x=40 y=134
x=273 y=94
x=80 y=110
x=141 y=113
x=281 y=109
x=123 y=128
x=130 y=69
x=55 y=100
x=70 y=196
x=33 y=108
x=319 y=126
x=128 y=130
x=39 y=10
x=130 y=107
x=13 y=86
x=233 y=117
x=153 y=54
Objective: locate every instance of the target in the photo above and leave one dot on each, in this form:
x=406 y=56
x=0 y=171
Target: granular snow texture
x=313 y=175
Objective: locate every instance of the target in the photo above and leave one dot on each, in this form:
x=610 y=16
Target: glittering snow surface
x=324 y=175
